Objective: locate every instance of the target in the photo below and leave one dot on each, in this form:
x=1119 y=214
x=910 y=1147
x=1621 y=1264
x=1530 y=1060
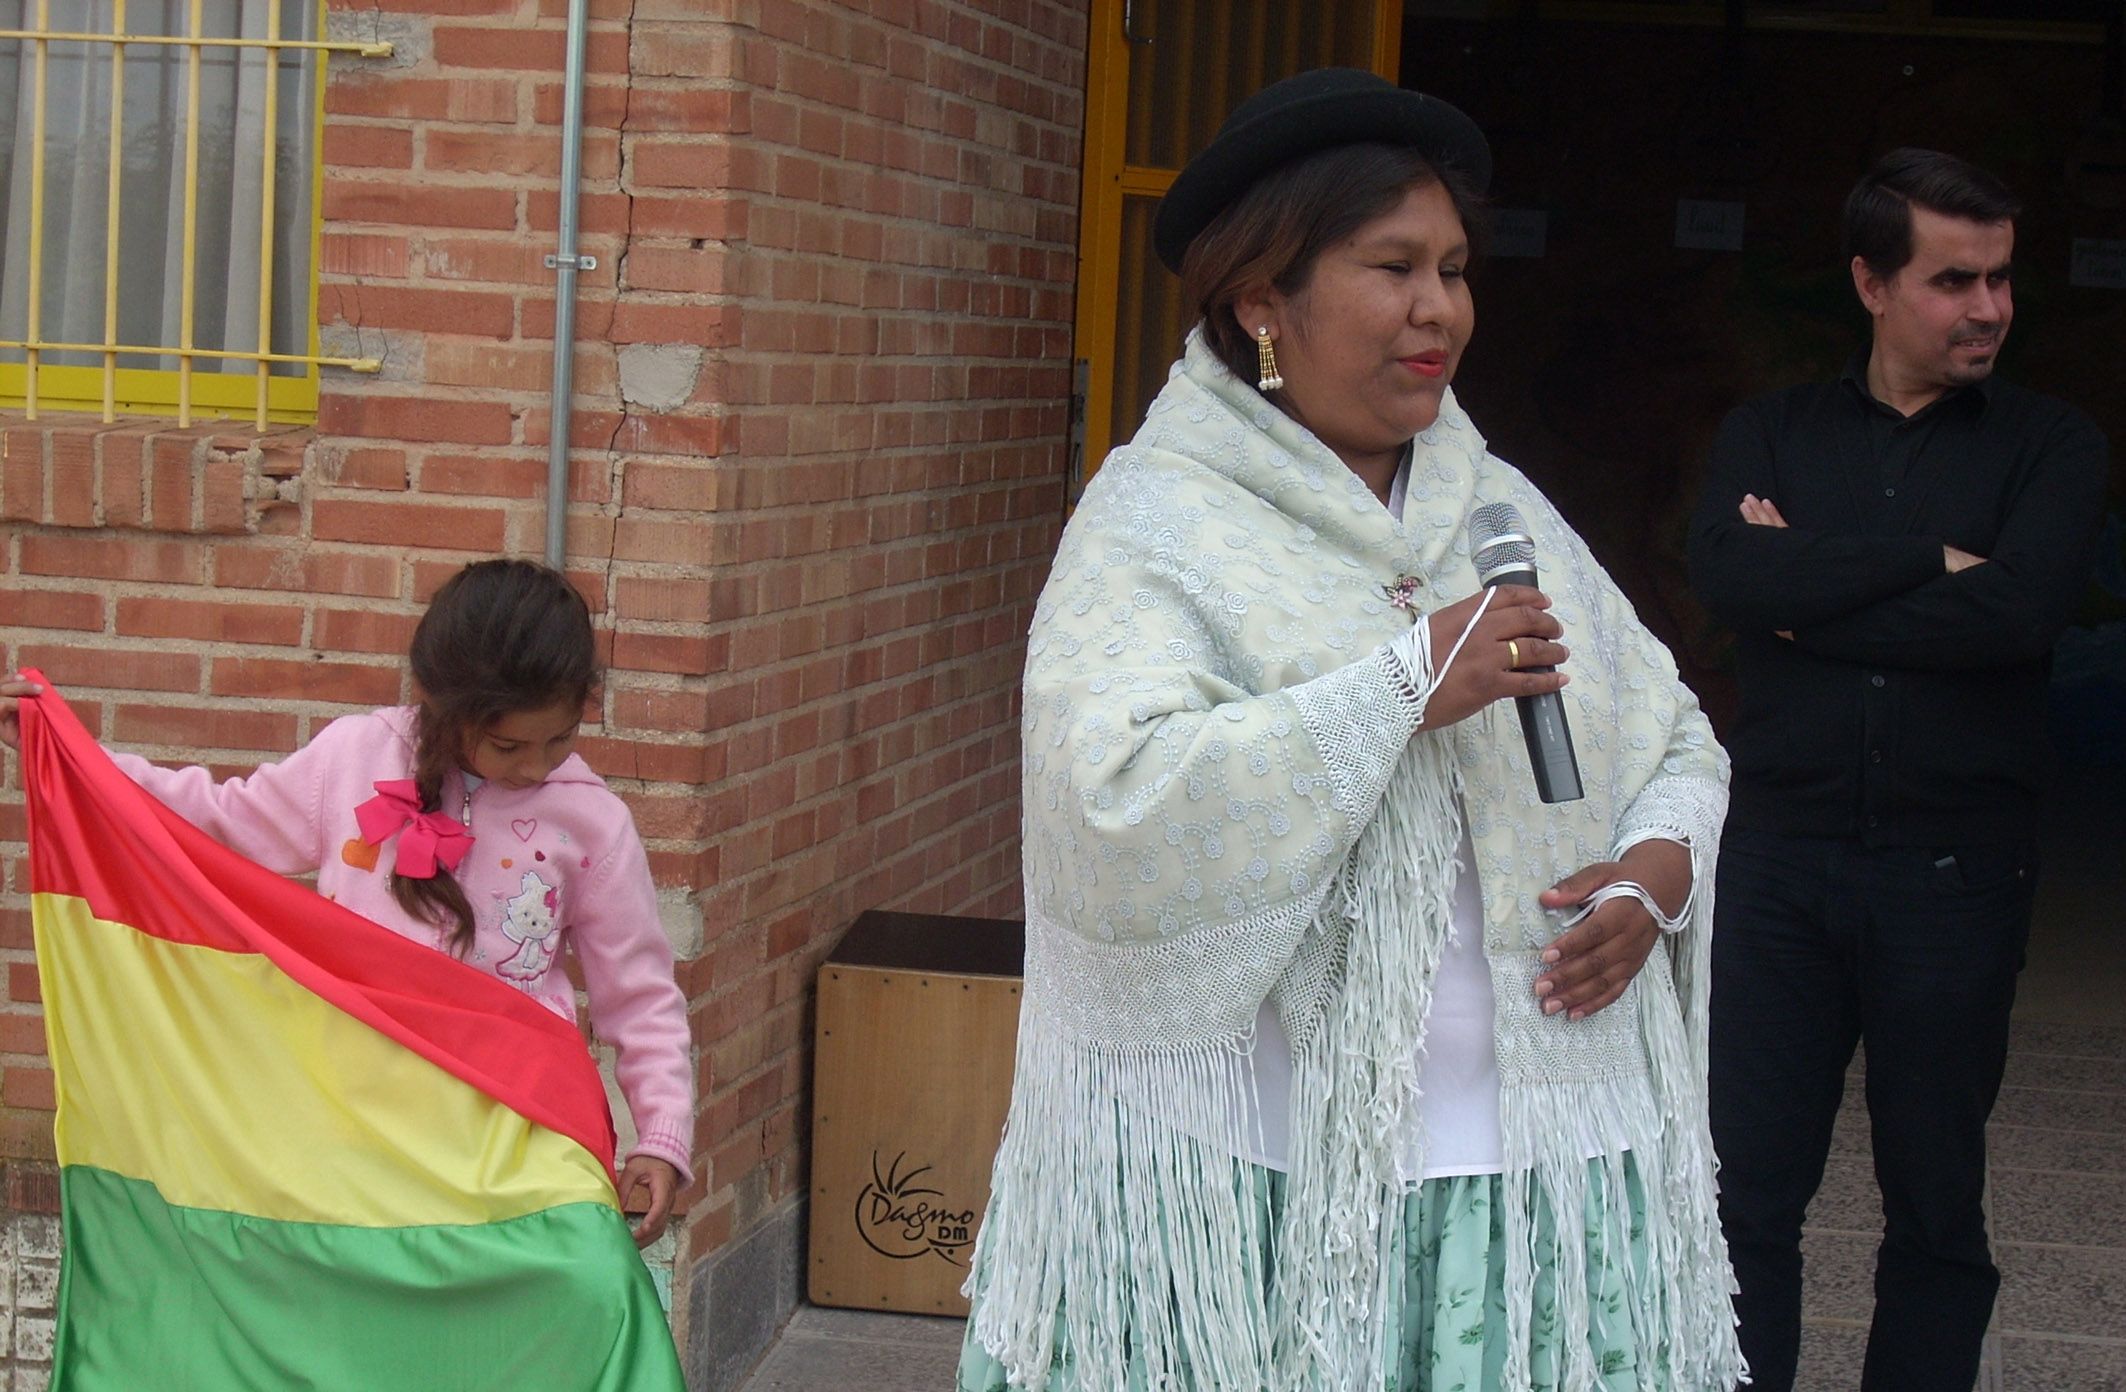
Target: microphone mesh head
x=1499 y=540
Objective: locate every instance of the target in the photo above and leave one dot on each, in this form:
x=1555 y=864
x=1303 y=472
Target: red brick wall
x=818 y=448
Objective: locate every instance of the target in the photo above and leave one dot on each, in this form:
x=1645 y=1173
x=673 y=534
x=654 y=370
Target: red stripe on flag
x=99 y=836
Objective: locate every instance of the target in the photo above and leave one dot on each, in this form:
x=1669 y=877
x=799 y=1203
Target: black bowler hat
x=1298 y=116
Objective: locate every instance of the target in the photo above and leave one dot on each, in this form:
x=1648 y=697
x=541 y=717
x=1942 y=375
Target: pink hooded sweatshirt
x=551 y=864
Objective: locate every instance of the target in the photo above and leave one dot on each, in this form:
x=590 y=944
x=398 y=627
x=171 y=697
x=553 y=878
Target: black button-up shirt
x=1908 y=707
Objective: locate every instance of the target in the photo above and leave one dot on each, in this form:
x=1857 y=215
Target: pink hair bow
x=430 y=837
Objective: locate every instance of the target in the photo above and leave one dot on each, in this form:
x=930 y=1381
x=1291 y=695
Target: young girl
x=465 y=821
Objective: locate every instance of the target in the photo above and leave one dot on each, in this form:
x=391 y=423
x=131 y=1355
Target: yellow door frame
x=1108 y=179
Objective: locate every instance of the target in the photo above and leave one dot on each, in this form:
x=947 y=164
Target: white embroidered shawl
x=1226 y=802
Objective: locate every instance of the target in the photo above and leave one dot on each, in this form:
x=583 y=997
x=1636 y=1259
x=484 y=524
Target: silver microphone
x=1504 y=554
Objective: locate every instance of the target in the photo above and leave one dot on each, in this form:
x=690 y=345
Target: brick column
x=817 y=465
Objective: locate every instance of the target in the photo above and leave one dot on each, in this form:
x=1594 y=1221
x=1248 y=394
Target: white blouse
x=1456 y=1127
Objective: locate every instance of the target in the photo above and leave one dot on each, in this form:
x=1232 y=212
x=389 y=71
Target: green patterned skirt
x=1447 y=1312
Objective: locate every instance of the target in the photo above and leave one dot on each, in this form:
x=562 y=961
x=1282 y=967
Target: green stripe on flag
x=223 y=1302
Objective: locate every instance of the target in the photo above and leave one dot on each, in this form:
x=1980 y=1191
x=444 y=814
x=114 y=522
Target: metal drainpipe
x=565 y=263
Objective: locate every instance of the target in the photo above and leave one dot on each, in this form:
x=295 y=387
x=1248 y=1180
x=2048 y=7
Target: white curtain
x=152 y=182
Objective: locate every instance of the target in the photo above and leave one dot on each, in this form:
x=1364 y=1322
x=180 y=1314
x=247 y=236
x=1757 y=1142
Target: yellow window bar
x=195 y=41
x=265 y=200
x=190 y=280
x=36 y=315
x=110 y=232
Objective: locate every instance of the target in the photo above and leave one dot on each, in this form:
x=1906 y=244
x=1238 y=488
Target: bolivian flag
x=299 y=1151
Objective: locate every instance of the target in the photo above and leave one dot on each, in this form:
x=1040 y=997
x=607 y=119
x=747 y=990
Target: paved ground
x=2058 y=1191
x=840 y=1350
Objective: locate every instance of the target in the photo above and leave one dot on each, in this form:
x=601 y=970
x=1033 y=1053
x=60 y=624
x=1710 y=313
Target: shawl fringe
x=1127 y=1231
x=1355 y=1079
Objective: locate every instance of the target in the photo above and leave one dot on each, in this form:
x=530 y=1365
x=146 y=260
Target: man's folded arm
x=2008 y=610
x=1758 y=579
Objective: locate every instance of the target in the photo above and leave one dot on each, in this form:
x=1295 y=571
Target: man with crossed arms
x=1896 y=551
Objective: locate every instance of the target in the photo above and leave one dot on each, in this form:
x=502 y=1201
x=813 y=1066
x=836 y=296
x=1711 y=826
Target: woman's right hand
x=11 y=693
x=1516 y=626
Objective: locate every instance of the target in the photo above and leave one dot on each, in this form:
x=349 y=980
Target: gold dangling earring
x=1266 y=357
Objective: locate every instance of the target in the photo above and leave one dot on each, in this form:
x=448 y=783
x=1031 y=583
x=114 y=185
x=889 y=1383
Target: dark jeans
x=1819 y=944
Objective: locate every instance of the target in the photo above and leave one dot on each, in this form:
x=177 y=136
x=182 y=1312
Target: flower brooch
x=1403 y=593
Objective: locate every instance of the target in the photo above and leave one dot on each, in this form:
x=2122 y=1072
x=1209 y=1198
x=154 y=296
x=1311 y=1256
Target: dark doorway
x=1602 y=365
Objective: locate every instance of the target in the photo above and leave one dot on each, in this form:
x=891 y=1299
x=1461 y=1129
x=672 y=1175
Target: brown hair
x=499 y=637
x=1273 y=234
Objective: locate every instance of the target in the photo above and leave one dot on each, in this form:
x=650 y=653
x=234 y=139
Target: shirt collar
x=1979 y=394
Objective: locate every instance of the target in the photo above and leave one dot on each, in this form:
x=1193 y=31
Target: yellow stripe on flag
x=229 y=1086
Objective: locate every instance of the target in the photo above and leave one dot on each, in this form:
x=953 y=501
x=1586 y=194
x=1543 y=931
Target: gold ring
x=1513 y=654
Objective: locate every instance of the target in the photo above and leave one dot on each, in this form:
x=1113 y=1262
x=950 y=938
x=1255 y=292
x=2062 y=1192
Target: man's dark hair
x=1878 y=212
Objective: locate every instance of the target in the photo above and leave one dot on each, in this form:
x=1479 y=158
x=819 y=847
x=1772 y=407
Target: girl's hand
x=662 y=1177
x=1516 y=626
x=1588 y=966
x=11 y=693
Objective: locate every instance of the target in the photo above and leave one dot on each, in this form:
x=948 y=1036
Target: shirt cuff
x=665 y=1138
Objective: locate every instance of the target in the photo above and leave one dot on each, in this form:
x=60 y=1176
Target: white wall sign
x=1519 y=232
x=1706 y=225
x=2099 y=263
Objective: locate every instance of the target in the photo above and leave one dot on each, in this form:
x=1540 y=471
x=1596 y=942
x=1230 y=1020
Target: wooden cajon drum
x=911 y=1077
